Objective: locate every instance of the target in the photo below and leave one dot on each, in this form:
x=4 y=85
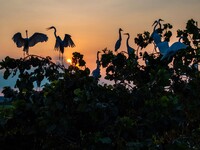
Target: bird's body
x=156 y=37
x=96 y=73
x=61 y=44
x=28 y=42
x=118 y=43
x=130 y=50
x=164 y=48
x=169 y=51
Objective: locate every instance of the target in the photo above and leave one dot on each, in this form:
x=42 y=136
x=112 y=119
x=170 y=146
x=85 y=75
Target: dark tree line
x=152 y=106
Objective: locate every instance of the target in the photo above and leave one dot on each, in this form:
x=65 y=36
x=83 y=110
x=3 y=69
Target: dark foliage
x=152 y=106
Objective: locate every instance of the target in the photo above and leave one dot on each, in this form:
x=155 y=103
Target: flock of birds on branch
x=163 y=46
x=40 y=37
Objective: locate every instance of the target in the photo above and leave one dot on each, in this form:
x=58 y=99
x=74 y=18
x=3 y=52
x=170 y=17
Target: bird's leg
x=62 y=58
x=138 y=51
x=59 y=55
x=154 y=48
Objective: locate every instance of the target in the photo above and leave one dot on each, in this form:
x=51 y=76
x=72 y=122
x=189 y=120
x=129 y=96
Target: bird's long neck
x=98 y=61
x=157 y=23
x=55 y=32
x=26 y=34
x=181 y=37
x=127 y=40
x=155 y=26
x=98 y=56
x=120 y=36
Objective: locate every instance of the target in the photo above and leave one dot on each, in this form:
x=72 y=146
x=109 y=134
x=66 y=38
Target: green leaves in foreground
x=151 y=104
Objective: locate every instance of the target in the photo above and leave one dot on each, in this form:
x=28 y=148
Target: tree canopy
x=151 y=105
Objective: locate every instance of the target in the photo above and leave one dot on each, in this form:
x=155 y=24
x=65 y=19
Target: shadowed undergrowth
x=150 y=106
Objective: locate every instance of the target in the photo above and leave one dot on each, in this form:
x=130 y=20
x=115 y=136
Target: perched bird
x=130 y=50
x=28 y=42
x=156 y=37
x=157 y=22
x=118 y=43
x=96 y=72
x=169 y=51
x=61 y=44
x=164 y=48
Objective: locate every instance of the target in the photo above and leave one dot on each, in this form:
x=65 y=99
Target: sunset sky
x=93 y=24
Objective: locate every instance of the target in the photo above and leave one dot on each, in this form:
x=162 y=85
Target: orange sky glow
x=93 y=24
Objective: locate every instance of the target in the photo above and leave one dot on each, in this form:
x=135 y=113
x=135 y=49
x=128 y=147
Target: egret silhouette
x=169 y=51
x=157 y=22
x=156 y=37
x=61 y=44
x=130 y=50
x=118 y=43
x=28 y=41
x=96 y=72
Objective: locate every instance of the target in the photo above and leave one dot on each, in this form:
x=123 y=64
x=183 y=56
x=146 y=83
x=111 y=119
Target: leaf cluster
x=152 y=104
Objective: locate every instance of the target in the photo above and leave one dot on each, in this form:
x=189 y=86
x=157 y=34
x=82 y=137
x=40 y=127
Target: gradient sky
x=93 y=24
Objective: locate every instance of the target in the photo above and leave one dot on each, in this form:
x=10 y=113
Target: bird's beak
x=125 y=33
x=49 y=28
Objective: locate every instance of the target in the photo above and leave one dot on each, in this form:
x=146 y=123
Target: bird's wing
x=177 y=46
x=173 y=49
x=163 y=47
x=37 y=37
x=68 y=41
x=17 y=38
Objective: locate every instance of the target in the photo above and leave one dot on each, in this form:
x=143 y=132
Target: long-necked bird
x=61 y=44
x=156 y=37
x=28 y=41
x=118 y=43
x=96 y=73
x=169 y=51
x=130 y=50
x=157 y=22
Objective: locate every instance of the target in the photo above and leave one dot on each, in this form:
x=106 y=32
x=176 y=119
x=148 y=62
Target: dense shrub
x=153 y=103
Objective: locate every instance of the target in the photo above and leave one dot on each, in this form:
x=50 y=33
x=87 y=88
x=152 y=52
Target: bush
x=149 y=106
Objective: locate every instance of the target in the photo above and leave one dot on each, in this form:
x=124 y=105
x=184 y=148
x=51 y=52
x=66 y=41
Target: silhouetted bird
x=157 y=22
x=118 y=43
x=61 y=44
x=28 y=42
x=129 y=49
x=96 y=72
x=169 y=51
x=164 y=48
x=156 y=37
